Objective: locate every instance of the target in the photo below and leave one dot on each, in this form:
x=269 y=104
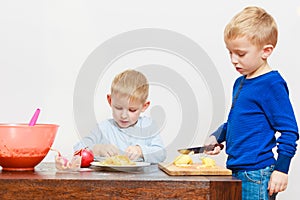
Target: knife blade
x=200 y=149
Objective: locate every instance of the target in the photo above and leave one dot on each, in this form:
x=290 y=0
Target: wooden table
x=149 y=183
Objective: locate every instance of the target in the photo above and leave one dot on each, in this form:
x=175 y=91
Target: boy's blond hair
x=255 y=24
x=131 y=84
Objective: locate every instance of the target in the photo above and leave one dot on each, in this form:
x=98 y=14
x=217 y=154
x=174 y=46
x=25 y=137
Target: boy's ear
x=108 y=99
x=267 y=51
x=145 y=106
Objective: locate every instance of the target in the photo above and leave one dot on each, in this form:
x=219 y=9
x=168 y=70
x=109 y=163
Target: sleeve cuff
x=220 y=133
x=283 y=163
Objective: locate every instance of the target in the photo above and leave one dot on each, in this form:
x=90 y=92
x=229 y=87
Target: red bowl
x=22 y=147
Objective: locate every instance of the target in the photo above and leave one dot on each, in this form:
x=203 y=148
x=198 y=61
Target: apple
x=87 y=157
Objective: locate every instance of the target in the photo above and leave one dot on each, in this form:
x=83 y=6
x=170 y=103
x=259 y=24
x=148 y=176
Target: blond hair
x=131 y=84
x=255 y=24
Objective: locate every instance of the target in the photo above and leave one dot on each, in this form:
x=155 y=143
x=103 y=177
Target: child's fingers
x=108 y=150
x=113 y=151
x=132 y=152
x=215 y=151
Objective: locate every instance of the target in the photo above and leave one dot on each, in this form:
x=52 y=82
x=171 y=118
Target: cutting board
x=194 y=169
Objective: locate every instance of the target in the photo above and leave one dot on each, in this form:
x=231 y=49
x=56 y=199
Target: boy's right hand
x=105 y=150
x=212 y=140
x=216 y=151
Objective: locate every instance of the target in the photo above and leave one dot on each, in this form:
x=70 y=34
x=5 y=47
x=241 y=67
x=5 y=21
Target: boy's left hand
x=134 y=152
x=278 y=182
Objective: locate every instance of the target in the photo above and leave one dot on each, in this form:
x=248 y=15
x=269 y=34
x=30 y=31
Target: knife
x=200 y=149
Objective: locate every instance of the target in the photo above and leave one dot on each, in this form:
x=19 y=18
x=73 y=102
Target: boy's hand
x=278 y=182
x=216 y=151
x=212 y=140
x=105 y=150
x=134 y=152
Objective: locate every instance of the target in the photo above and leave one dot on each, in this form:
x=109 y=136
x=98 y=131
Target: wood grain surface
x=194 y=169
x=150 y=183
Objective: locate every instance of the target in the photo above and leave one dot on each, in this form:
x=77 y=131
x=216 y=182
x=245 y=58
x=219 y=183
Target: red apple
x=87 y=157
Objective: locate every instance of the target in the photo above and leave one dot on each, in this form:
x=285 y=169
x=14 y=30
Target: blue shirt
x=144 y=133
x=261 y=108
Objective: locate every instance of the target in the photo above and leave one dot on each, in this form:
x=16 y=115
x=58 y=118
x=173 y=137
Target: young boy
x=127 y=133
x=260 y=108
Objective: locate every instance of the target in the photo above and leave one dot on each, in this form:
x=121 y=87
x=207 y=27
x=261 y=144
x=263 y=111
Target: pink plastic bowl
x=22 y=147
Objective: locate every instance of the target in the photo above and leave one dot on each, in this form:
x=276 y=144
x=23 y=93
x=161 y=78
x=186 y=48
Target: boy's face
x=124 y=111
x=247 y=58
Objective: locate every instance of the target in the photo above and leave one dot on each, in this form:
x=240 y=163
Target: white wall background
x=43 y=45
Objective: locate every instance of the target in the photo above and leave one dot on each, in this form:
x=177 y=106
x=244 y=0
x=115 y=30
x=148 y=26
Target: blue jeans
x=255 y=183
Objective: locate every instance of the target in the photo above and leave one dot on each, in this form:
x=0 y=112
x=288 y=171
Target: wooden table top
x=147 y=183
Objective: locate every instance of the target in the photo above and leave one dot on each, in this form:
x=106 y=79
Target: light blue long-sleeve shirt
x=144 y=133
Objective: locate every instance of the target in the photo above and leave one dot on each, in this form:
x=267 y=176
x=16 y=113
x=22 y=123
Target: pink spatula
x=34 y=117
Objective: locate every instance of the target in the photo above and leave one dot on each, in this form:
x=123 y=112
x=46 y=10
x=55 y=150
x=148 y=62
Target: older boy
x=260 y=108
x=127 y=133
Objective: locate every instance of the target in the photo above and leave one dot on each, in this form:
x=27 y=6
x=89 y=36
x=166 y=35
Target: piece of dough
x=208 y=162
x=118 y=160
x=183 y=160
